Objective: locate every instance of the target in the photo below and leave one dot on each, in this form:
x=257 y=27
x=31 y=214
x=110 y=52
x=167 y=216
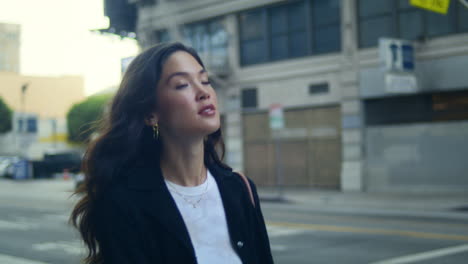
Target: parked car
x=55 y=163
x=7 y=166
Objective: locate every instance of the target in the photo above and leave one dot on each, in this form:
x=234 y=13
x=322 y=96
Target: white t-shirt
x=206 y=223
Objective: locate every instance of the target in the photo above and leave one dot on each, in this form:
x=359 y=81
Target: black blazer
x=138 y=222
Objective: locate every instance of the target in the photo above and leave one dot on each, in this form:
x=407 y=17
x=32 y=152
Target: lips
x=207 y=110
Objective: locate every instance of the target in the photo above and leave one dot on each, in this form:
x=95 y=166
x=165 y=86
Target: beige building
x=40 y=105
x=48 y=97
x=9 y=47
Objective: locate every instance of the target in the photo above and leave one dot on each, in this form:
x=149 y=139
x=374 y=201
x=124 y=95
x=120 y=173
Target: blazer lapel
x=148 y=180
x=230 y=189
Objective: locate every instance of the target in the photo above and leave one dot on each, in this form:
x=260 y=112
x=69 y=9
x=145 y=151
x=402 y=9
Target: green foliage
x=5 y=117
x=82 y=117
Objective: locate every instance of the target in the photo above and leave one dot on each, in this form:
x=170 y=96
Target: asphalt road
x=34 y=230
x=299 y=235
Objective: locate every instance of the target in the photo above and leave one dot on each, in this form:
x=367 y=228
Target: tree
x=5 y=117
x=83 y=116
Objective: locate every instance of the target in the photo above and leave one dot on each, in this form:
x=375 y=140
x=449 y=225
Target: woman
x=156 y=190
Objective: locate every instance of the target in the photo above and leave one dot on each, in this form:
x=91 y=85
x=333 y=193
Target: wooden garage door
x=311 y=158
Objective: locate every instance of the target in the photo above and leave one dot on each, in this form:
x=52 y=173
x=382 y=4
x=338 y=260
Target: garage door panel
x=256 y=127
x=328 y=174
x=294 y=163
x=259 y=163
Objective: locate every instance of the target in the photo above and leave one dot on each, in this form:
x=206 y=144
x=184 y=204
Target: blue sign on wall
x=396 y=55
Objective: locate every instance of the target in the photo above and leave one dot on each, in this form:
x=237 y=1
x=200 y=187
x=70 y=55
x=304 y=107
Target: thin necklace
x=194 y=204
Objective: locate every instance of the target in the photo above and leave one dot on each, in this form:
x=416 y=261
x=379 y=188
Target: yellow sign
x=59 y=137
x=439 y=6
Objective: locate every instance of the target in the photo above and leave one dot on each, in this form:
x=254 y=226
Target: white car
x=6 y=166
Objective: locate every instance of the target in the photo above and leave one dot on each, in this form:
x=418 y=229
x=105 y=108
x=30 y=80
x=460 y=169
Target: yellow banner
x=439 y=6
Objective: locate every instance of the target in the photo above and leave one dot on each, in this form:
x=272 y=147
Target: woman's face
x=186 y=103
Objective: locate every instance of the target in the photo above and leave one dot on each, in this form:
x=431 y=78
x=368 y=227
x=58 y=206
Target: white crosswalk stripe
x=275 y=231
x=17 y=225
x=70 y=247
x=6 y=259
x=30 y=223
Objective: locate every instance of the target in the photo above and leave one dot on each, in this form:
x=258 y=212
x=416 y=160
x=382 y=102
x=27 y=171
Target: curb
x=457 y=213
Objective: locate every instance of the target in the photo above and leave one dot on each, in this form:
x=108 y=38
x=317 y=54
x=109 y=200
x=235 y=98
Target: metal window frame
x=243 y=92
x=309 y=30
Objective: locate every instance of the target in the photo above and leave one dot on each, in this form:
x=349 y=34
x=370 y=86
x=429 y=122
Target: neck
x=183 y=162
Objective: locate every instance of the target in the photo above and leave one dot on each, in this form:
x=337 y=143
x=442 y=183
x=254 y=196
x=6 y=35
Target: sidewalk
x=440 y=205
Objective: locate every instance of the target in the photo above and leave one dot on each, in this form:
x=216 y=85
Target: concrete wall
x=433 y=75
x=417 y=157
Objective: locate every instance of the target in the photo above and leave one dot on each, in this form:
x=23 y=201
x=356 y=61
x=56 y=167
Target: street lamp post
x=22 y=118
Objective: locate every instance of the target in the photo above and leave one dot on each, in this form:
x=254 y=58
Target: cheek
x=215 y=97
x=174 y=107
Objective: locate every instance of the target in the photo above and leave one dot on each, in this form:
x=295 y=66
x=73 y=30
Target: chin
x=211 y=125
x=213 y=129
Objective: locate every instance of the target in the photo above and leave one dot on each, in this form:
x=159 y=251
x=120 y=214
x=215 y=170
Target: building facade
x=10 y=47
x=344 y=129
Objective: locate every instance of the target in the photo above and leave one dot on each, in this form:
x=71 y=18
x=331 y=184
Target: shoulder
x=113 y=198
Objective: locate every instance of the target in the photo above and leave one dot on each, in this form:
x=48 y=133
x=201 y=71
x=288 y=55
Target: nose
x=202 y=92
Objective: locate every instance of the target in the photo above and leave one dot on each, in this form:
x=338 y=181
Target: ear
x=151 y=119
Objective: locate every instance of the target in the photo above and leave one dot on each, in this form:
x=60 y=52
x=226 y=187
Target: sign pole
x=276 y=124
x=279 y=169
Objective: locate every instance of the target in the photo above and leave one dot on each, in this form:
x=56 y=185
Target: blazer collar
x=147 y=175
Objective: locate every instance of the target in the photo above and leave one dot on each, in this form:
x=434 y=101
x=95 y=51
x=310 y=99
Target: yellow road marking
x=349 y=229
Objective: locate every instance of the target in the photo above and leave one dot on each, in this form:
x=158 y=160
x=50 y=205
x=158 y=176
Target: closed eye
x=206 y=83
x=181 y=86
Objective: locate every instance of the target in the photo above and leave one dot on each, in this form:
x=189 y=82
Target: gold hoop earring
x=156 y=131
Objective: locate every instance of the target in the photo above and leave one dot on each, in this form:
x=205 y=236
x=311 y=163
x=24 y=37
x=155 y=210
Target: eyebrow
x=182 y=74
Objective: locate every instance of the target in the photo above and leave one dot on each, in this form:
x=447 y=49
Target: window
x=209 y=38
x=279 y=33
x=253 y=37
x=399 y=19
x=318 y=88
x=31 y=125
x=375 y=20
x=438 y=24
x=218 y=44
x=249 y=98
x=288 y=27
x=410 y=21
x=295 y=29
x=326 y=26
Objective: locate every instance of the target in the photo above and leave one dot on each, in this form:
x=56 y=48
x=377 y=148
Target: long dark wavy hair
x=125 y=138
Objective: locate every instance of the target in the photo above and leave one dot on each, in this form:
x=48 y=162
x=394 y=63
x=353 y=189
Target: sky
x=56 y=40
